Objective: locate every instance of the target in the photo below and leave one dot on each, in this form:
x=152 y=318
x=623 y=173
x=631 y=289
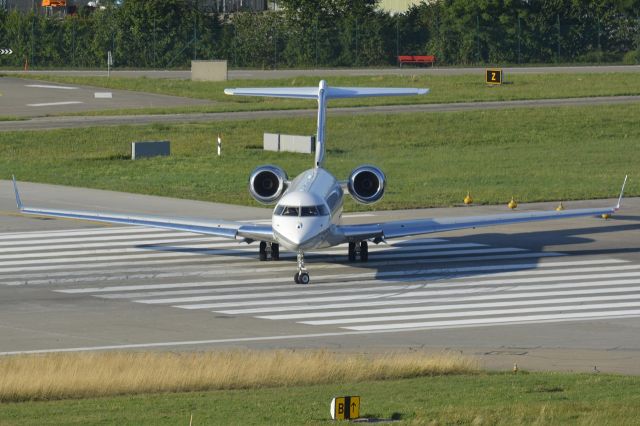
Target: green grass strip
x=431 y=159
x=484 y=399
x=444 y=89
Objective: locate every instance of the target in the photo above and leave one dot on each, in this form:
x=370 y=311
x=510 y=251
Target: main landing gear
x=269 y=251
x=302 y=276
x=359 y=249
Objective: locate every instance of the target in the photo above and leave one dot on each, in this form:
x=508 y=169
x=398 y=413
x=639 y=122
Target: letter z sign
x=494 y=76
x=345 y=408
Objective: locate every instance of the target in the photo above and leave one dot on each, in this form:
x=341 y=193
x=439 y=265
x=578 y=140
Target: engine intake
x=366 y=184
x=268 y=183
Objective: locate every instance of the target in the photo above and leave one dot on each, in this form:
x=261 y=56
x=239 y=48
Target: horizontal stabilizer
x=330 y=92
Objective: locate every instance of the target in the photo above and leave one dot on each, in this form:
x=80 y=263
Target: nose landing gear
x=302 y=276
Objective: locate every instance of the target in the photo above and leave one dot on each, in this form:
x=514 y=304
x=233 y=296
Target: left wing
x=404 y=228
x=227 y=229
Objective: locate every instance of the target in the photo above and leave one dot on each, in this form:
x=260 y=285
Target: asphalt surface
x=240 y=74
x=30 y=98
x=48 y=123
x=560 y=295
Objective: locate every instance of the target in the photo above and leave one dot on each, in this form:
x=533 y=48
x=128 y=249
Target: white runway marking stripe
x=50 y=86
x=478 y=322
x=215 y=287
x=153 y=247
x=410 y=295
x=211 y=263
x=427 y=308
x=36 y=260
x=56 y=103
x=437 y=273
x=129 y=238
x=42 y=250
x=39 y=235
x=461 y=314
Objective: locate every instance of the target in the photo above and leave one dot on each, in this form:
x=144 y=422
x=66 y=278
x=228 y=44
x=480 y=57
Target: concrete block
x=209 y=70
x=294 y=143
x=149 y=149
x=272 y=142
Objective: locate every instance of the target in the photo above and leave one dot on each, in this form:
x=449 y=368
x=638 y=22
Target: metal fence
x=266 y=40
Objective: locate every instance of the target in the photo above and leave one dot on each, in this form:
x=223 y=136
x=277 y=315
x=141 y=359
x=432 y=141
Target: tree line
x=327 y=33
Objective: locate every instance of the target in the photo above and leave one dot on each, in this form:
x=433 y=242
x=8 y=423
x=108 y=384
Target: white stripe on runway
x=437 y=272
x=40 y=244
x=230 y=244
x=43 y=250
x=479 y=322
x=214 y=287
x=214 y=263
x=55 y=104
x=80 y=232
x=50 y=86
x=429 y=308
x=463 y=314
x=374 y=296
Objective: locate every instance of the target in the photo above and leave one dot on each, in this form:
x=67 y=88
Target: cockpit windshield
x=319 y=210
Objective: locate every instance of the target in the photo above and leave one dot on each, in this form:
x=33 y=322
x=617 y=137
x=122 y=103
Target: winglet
x=15 y=188
x=622 y=192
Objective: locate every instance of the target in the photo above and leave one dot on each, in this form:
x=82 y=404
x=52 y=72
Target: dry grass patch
x=81 y=375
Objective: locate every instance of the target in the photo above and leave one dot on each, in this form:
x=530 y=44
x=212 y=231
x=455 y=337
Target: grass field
x=431 y=159
x=444 y=89
x=465 y=399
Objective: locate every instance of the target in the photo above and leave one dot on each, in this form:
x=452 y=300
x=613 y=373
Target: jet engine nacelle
x=268 y=183
x=366 y=184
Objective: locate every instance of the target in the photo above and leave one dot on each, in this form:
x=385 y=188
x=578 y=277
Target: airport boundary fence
x=162 y=35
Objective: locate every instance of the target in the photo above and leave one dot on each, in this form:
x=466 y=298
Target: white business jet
x=309 y=208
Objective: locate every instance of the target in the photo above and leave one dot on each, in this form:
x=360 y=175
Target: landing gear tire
x=275 y=251
x=364 y=251
x=352 y=252
x=303 y=278
x=263 y=251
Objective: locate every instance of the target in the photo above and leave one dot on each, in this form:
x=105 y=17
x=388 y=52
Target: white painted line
x=77 y=232
x=437 y=273
x=42 y=244
x=43 y=251
x=55 y=104
x=478 y=322
x=462 y=314
x=429 y=308
x=103 y=95
x=213 y=286
x=176 y=344
x=47 y=86
x=56 y=257
x=375 y=296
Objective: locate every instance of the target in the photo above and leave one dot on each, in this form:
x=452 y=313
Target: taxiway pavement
x=560 y=295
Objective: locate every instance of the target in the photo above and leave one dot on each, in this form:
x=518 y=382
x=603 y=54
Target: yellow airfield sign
x=493 y=76
x=345 y=407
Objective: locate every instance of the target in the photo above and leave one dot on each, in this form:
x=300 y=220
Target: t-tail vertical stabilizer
x=322 y=94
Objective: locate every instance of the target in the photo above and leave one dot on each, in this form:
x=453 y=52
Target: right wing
x=226 y=229
x=405 y=228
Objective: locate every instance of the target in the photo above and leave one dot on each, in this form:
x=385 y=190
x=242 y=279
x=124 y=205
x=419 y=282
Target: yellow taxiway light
x=560 y=207
x=512 y=204
x=606 y=216
x=468 y=200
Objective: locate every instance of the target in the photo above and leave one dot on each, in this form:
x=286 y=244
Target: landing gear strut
x=302 y=276
x=361 y=249
x=269 y=251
